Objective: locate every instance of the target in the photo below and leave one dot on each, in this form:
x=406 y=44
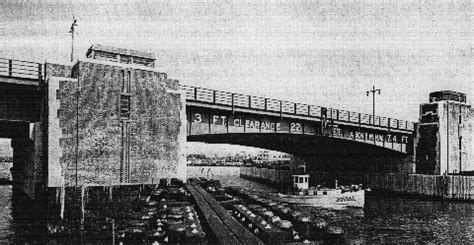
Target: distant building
x=445 y=135
x=196 y=159
x=266 y=156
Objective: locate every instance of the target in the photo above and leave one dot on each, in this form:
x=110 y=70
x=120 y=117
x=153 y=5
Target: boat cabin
x=301 y=181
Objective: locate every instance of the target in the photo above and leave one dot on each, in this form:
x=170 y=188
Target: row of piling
x=450 y=187
x=453 y=187
x=274 y=176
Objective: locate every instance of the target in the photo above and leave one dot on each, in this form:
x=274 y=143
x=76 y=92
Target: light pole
x=373 y=101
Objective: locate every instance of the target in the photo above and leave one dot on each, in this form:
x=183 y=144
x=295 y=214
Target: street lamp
x=373 y=91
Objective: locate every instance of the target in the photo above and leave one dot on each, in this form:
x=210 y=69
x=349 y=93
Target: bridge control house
x=445 y=135
x=115 y=119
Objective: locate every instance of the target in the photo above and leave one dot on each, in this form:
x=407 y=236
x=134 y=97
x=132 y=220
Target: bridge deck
x=208 y=98
x=19 y=81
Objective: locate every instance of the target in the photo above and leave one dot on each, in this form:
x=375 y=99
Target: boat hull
x=330 y=200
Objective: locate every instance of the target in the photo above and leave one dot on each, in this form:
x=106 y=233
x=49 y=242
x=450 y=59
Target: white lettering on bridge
x=332 y=130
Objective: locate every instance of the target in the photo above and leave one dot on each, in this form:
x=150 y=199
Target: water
x=387 y=219
x=6 y=221
x=383 y=220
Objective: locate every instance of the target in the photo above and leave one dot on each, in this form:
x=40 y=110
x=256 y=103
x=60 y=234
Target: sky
x=327 y=53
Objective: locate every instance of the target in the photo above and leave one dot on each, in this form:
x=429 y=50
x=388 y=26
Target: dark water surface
x=384 y=219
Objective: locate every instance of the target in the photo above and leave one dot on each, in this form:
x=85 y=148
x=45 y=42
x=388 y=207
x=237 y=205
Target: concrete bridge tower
x=110 y=118
x=118 y=120
x=445 y=135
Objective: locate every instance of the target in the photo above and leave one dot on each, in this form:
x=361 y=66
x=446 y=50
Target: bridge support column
x=23 y=172
x=29 y=161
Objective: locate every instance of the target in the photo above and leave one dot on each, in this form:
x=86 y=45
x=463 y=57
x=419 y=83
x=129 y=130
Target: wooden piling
x=440 y=186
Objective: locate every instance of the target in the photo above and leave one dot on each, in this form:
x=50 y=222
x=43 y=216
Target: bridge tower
x=106 y=119
x=119 y=120
x=445 y=135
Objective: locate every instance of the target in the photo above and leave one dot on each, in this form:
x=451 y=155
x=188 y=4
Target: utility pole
x=74 y=24
x=373 y=91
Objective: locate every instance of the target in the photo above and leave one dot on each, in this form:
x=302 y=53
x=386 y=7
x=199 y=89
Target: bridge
x=60 y=131
x=223 y=117
x=19 y=90
x=300 y=129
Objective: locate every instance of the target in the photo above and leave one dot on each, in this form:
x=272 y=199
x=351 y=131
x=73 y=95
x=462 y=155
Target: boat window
x=296 y=179
x=325 y=192
x=301 y=180
x=305 y=179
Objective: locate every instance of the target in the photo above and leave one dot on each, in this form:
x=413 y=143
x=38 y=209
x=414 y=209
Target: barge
x=272 y=222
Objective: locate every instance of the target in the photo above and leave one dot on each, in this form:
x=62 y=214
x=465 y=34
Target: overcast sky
x=326 y=53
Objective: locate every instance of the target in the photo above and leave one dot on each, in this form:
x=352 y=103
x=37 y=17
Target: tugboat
x=336 y=198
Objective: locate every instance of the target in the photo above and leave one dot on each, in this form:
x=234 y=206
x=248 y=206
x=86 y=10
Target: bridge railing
x=286 y=107
x=21 y=69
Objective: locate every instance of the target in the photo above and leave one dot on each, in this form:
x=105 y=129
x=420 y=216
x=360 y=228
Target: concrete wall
x=86 y=120
x=448 y=138
x=445 y=143
x=452 y=157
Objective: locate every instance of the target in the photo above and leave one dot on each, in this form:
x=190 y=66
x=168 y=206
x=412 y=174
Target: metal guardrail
x=286 y=107
x=21 y=69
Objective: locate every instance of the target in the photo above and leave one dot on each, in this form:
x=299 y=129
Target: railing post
x=10 y=67
x=40 y=72
x=281 y=109
x=309 y=109
x=337 y=114
x=406 y=125
x=195 y=93
x=265 y=104
x=295 y=107
x=250 y=101
x=348 y=116
x=232 y=103
x=388 y=125
x=359 y=120
x=214 y=96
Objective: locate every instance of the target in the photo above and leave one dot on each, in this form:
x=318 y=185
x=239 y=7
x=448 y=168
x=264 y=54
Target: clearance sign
x=207 y=123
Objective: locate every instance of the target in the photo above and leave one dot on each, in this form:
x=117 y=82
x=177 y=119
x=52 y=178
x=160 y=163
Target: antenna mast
x=72 y=31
